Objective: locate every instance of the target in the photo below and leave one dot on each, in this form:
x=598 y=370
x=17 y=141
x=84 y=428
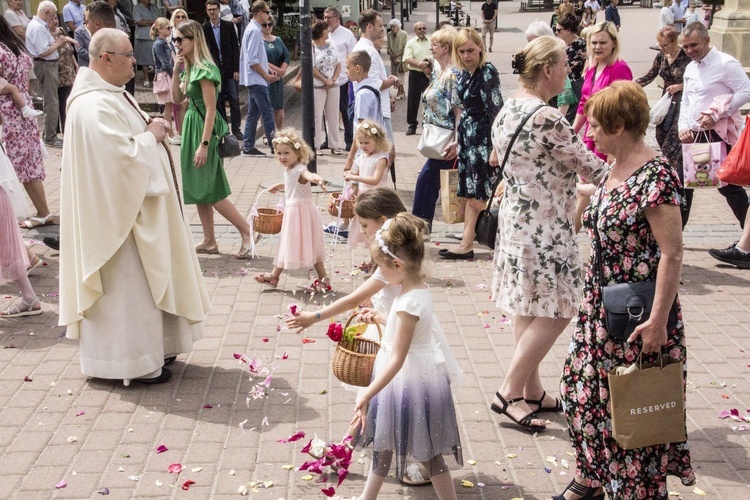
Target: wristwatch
x=204 y=143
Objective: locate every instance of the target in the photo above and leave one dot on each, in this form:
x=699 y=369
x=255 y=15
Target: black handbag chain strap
x=204 y=117
x=507 y=151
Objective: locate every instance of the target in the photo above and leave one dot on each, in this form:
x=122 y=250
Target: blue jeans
x=427 y=190
x=258 y=105
x=230 y=91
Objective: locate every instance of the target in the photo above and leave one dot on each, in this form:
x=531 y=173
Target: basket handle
x=354 y=315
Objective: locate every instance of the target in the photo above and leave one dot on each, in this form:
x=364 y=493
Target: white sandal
x=21 y=308
x=33 y=222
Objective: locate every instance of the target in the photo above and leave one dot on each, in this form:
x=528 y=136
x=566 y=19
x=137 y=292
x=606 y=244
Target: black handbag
x=485 y=230
x=229 y=146
x=626 y=305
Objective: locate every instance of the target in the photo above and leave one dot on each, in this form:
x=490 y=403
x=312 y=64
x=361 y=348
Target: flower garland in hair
x=286 y=140
x=381 y=241
x=371 y=130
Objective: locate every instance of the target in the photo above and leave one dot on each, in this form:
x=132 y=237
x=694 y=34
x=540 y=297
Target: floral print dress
x=629 y=254
x=537 y=262
x=667 y=135
x=478 y=94
x=20 y=135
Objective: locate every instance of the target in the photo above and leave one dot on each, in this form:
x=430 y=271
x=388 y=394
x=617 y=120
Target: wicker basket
x=354 y=359
x=347 y=206
x=268 y=221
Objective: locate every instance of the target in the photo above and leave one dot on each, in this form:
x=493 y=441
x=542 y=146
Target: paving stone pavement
x=57 y=425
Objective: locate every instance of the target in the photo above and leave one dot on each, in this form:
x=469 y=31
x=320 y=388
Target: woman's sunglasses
x=267 y=25
x=179 y=39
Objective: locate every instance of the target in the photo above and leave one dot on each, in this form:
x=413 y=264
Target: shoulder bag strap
x=507 y=151
x=204 y=116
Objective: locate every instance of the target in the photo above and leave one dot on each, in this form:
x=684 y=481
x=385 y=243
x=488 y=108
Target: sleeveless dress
x=366 y=166
x=414 y=414
x=301 y=241
x=208 y=184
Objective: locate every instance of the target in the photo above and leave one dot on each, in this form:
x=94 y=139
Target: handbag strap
x=203 y=116
x=597 y=241
x=507 y=151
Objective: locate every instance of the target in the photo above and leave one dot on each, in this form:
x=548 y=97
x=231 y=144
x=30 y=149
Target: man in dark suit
x=221 y=38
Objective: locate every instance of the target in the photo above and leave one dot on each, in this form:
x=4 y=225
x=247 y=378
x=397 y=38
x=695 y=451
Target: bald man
x=131 y=288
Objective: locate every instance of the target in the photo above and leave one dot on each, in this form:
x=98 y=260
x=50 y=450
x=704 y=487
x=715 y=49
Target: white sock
x=29 y=112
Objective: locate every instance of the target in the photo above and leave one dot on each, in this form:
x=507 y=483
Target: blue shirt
x=217 y=35
x=252 y=52
x=366 y=105
x=73 y=12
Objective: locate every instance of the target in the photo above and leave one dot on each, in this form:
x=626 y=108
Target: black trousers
x=736 y=196
x=345 y=117
x=418 y=82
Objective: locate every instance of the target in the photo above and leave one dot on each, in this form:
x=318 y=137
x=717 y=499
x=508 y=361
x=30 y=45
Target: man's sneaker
x=732 y=255
x=254 y=153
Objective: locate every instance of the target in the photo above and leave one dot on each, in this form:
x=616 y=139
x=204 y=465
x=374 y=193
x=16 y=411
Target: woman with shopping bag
x=634 y=223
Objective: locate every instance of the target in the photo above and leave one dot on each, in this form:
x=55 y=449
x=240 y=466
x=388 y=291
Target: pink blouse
x=618 y=70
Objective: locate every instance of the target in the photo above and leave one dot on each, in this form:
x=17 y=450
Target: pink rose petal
x=294 y=437
x=208 y=406
x=175 y=468
x=161 y=449
x=187 y=484
x=285 y=356
x=265 y=339
x=342 y=475
x=62 y=484
x=307 y=341
x=80 y=413
x=724 y=414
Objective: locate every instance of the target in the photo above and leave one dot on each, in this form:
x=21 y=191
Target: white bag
x=660 y=109
x=434 y=141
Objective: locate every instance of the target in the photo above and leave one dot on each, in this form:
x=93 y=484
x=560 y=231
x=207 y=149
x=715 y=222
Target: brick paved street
x=98 y=435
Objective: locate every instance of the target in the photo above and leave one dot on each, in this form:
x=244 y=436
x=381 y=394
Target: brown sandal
x=267 y=279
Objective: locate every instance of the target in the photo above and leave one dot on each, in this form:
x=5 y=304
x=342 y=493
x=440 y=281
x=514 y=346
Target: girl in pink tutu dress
x=369 y=169
x=301 y=240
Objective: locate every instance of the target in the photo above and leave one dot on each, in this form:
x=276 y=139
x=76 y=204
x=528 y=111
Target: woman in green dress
x=204 y=182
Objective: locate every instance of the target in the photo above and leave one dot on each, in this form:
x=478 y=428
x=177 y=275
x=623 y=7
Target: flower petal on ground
x=294 y=437
x=329 y=492
x=62 y=484
x=187 y=484
x=161 y=449
x=175 y=468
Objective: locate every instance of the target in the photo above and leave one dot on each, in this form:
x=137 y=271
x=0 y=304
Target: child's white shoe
x=29 y=112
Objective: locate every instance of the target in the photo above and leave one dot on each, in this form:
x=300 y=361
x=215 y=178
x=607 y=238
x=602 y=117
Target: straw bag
x=341 y=208
x=354 y=359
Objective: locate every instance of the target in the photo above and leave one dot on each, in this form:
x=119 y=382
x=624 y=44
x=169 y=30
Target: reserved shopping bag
x=736 y=167
x=453 y=206
x=648 y=404
x=701 y=162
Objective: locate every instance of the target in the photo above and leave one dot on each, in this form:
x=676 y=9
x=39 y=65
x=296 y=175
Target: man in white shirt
x=43 y=48
x=73 y=15
x=595 y=8
x=712 y=74
x=371 y=29
x=344 y=41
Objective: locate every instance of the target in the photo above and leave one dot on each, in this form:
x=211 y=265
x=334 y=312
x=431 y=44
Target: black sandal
x=525 y=422
x=583 y=492
x=541 y=409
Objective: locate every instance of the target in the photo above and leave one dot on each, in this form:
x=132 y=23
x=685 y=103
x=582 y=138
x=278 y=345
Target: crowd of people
x=565 y=151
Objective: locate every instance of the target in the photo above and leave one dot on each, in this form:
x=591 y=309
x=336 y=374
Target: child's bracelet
x=317 y=315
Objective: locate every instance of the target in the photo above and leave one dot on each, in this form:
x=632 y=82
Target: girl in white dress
x=407 y=409
x=301 y=239
x=369 y=169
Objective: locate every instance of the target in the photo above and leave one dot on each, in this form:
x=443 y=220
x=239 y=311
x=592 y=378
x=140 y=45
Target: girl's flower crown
x=286 y=140
x=365 y=128
x=381 y=241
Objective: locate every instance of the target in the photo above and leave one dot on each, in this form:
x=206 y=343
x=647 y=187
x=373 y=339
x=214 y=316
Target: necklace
x=269 y=42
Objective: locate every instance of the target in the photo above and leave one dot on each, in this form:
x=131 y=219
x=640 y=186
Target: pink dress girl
x=301 y=242
x=365 y=164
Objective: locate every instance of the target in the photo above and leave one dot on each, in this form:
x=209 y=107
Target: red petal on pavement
x=161 y=449
x=294 y=437
x=329 y=492
x=284 y=356
x=27 y=379
x=187 y=484
x=307 y=341
x=265 y=339
x=207 y=406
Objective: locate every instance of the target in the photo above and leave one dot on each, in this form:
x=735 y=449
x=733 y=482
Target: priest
x=130 y=286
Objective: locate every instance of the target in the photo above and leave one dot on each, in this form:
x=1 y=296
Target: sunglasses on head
x=179 y=39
